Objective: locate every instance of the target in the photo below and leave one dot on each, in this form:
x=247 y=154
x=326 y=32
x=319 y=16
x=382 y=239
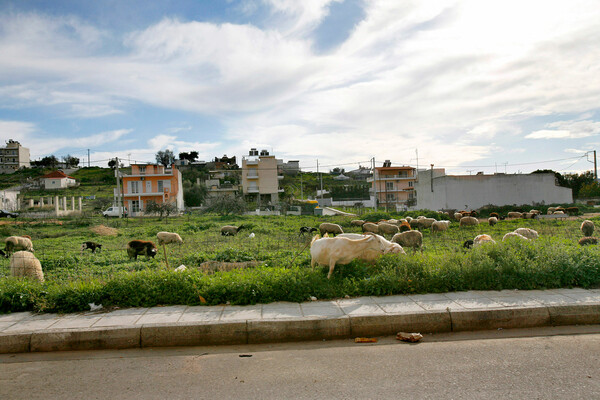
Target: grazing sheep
x=559 y=212
x=404 y=226
x=482 y=239
x=511 y=235
x=393 y=221
x=341 y=250
x=536 y=212
x=230 y=230
x=413 y=239
x=495 y=215
x=468 y=221
x=327 y=227
x=387 y=229
x=26 y=236
x=457 y=216
x=527 y=232
x=386 y=246
x=492 y=221
x=24 y=264
x=370 y=227
x=168 y=237
x=440 y=226
x=560 y=209
x=587 y=228
x=588 y=240
x=415 y=223
x=306 y=229
x=514 y=214
x=357 y=222
x=137 y=248
x=92 y=246
x=426 y=222
x=14 y=243
x=408 y=219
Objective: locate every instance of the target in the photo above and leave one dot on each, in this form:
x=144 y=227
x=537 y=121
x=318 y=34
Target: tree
x=49 y=162
x=225 y=205
x=70 y=161
x=112 y=163
x=191 y=156
x=162 y=209
x=165 y=157
x=194 y=195
x=590 y=190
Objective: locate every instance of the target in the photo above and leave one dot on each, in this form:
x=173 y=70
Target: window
x=135 y=187
x=389 y=186
x=410 y=184
x=390 y=197
x=135 y=205
x=160 y=186
x=142 y=170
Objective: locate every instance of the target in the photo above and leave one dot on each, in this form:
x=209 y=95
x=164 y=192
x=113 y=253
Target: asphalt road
x=548 y=363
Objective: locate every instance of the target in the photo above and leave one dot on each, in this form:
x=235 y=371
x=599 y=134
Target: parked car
x=115 y=212
x=8 y=214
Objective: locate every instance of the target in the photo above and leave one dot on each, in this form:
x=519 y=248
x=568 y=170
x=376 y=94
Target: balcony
x=252 y=190
x=251 y=162
x=252 y=176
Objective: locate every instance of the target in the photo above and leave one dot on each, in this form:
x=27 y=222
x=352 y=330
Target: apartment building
x=151 y=182
x=393 y=187
x=13 y=156
x=261 y=173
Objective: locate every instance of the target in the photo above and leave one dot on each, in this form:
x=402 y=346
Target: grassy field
x=73 y=279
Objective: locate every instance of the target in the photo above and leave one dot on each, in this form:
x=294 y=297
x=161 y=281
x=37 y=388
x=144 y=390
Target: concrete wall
x=475 y=191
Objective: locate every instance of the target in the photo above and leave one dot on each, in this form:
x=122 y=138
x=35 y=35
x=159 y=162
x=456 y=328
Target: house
x=260 y=177
x=393 y=187
x=13 y=157
x=151 y=182
x=438 y=191
x=57 y=180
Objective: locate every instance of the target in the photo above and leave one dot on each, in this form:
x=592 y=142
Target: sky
x=469 y=85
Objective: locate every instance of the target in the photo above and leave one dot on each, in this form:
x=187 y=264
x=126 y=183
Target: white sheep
x=482 y=239
x=551 y=210
x=230 y=230
x=386 y=247
x=492 y=221
x=370 y=227
x=14 y=243
x=426 y=222
x=412 y=239
x=560 y=212
x=514 y=214
x=527 y=232
x=168 y=237
x=340 y=250
x=25 y=264
x=440 y=226
x=511 y=235
x=333 y=229
x=587 y=228
x=357 y=222
x=387 y=228
x=468 y=221
x=457 y=216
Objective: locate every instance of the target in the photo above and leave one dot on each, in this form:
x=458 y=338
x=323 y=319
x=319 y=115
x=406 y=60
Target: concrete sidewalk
x=317 y=320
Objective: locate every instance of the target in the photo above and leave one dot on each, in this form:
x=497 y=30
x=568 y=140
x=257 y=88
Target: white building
x=13 y=157
x=9 y=200
x=438 y=191
x=57 y=180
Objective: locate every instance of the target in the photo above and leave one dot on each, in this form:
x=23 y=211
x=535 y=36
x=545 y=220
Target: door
x=148 y=186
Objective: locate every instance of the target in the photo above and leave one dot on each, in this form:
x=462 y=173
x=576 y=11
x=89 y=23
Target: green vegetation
x=73 y=280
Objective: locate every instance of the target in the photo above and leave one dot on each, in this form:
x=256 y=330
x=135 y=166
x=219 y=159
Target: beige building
x=13 y=156
x=261 y=174
x=393 y=187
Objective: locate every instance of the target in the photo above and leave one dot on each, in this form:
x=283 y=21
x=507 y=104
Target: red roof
x=56 y=174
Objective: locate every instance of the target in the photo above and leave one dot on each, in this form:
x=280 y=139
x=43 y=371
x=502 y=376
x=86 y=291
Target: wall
x=475 y=191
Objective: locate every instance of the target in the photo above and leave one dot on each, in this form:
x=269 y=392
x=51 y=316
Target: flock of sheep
x=330 y=247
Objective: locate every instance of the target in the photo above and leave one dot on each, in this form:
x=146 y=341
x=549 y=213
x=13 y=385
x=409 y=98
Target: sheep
x=560 y=212
x=404 y=226
x=387 y=229
x=528 y=215
x=514 y=214
x=408 y=219
x=341 y=250
x=587 y=227
x=492 y=221
x=306 y=229
x=168 y=237
x=415 y=223
x=550 y=210
x=357 y=222
x=327 y=227
x=412 y=239
x=482 y=239
x=14 y=243
x=25 y=264
x=468 y=221
x=92 y=246
x=141 y=248
x=495 y=215
x=440 y=226
x=372 y=253
x=393 y=221
x=457 y=216
x=572 y=210
x=588 y=240
x=230 y=230
x=370 y=227
x=527 y=232
x=426 y=222
x=536 y=212
x=511 y=235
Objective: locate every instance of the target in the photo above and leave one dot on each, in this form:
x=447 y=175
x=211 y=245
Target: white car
x=115 y=212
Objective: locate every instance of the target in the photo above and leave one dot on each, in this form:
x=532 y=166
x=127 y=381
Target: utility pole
x=118 y=187
x=431 y=177
x=375 y=176
x=301 y=190
x=595 y=167
x=88 y=157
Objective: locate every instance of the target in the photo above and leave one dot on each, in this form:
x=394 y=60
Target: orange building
x=151 y=182
x=393 y=187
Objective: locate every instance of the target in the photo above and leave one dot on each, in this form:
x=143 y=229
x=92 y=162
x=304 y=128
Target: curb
x=294 y=330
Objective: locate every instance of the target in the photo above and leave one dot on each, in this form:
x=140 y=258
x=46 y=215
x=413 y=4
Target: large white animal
x=468 y=221
x=440 y=226
x=342 y=250
x=511 y=235
x=14 y=243
x=168 y=237
x=24 y=264
x=527 y=232
x=385 y=246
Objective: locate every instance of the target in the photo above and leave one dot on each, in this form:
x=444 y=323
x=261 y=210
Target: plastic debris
x=313 y=298
x=365 y=340
x=95 y=307
x=180 y=268
x=409 y=337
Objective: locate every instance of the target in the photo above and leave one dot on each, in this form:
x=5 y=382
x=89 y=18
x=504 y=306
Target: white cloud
x=567 y=130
